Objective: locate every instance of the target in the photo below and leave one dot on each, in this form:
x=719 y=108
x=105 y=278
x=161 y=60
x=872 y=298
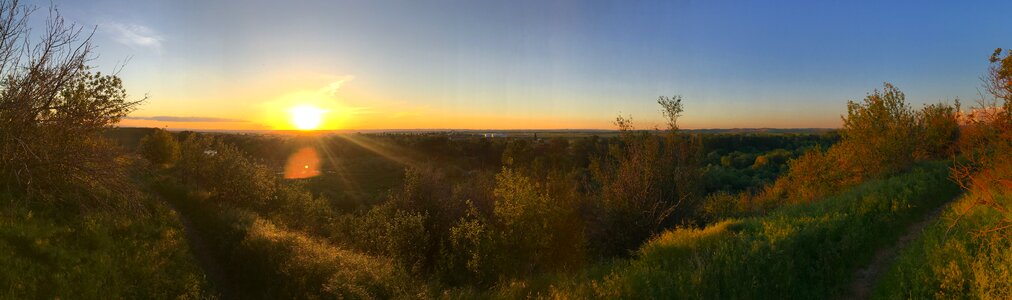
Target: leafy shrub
x=881 y=135
x=160 y=147
x=531 y=232
x=721 y=205
x=940 y=131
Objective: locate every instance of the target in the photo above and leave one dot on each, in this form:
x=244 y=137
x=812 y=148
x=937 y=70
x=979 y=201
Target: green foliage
x=267 y=260
x=802 y=251
x=954 y=259
x=998 y=80
x=48 y=253
x=815 y=175
x=940 y=130
x=230 y=178
x=270 y=232
x=52 y=111
x=52 y=148
x=721 y=205
x=987 y=145
x=645 y=184
x=160 y=147
x=882 y=135
x=542 y=233
x=879 y=133
x=965 y=254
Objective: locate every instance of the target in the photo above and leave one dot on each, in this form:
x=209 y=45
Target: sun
x=307 y=117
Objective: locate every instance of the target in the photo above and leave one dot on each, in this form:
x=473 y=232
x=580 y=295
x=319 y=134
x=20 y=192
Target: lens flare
x=304 y=163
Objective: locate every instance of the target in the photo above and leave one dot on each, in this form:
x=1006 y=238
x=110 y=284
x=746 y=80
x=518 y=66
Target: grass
x=264 y=260
x=954 y=263
x=47 y=253
x=800 y=251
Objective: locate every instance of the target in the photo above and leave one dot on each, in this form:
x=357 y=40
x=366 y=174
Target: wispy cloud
x=185 y=119
x=135 y=35
x=332 y=88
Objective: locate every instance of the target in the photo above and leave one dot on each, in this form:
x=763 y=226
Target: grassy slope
x=954 y=263
x=45 y=253
x=267 y=261
x=802 y=251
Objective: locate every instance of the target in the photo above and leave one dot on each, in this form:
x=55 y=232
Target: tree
x=52 y=109
x=879 y=133
x=160 y=147
x=998 y=80
x=671 y=107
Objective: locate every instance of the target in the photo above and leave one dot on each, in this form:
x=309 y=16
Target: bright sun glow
x=307 y=117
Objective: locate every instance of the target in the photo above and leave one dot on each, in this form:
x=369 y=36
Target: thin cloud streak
x=332 y=88
x=135 y=35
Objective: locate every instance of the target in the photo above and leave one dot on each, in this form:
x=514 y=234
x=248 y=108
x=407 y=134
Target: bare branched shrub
x=986 y=144
x=645 y=184
x=52 y=109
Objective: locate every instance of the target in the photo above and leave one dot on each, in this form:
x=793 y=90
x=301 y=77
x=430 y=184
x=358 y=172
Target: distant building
x=495 y=135
x=210 y=152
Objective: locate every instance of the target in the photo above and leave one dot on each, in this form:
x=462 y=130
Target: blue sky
x=538 y=64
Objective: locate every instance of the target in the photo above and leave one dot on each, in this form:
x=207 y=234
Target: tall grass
x=954 y=263
x=48 y=253
x=801 y=251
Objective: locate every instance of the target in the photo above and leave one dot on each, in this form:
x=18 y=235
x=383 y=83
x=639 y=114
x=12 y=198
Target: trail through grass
x=953 y=260
x=866 y=278
x=805 y=251
x=199 y=248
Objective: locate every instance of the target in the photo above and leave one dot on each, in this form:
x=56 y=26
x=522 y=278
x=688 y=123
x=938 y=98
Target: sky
x=232 y=64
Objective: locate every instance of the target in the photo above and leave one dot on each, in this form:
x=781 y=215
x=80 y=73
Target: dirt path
x=213 y=269
x=865 y=278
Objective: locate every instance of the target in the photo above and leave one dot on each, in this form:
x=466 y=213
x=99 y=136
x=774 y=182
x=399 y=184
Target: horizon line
x=473 y=129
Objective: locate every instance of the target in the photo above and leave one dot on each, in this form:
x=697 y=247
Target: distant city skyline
x=244 y=65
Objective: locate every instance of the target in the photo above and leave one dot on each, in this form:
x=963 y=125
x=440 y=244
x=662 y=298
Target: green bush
x=881 y=135
x=721 y=205
x=160 y=148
